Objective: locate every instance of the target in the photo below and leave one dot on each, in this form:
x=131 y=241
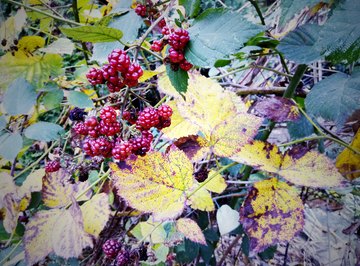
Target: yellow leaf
x=312 y=169
x=179 y=126
x=272 y=213
x=96 y=213
x=156 y=183
x=191 y=230
x=348 y=162
x=11 y=28
x=7 y=185
x=33 y=182
x=57 y=190
x=217 y=183
x=201 y=199
x=148 y=74
x=165 y=86
x=58 y=231
x=90 y=92
x=153 y=232
x=12 y=212
x=29 y=44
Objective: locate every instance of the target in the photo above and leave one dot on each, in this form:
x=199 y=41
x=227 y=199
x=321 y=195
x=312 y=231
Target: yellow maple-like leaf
x=179 y=126
x=272 y=213
x=312 y=169
x=201 y=199
x=29 y=44
x=348 y=162
x=191 y=230
x=96 y=213
x=57 y=190
x=156 y=183
x=216 y=184
x=56 y=230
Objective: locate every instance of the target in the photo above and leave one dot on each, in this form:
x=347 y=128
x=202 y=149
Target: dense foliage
x=179 y=132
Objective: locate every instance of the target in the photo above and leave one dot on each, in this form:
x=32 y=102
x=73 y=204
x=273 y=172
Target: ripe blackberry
x=165 y=31
x=111 y=248
x=178 y=39
x=109 y=129
x=163 y=123
x=175 y=56
x=77 y=114
x=185 y=65
x=80 y=128
x=140 y=145
x=140 y=10
x=123 y=258
x=109 y=71
x=102 y=146
x=119 y=60
x=92 y=125
x=133 y=74
x=147 y=119
x=95 y=76
x=130 y=117
x=108 y=114
x=122 y=150
x=115 y=84
x=52 y=166
x=165 y=111
x=157 y=46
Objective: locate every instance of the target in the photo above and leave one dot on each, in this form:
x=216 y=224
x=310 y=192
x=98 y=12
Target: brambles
x=111 y=248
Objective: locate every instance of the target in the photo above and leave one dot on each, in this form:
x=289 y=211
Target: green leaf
x=217 y=33
x=291 y=7
x=339 y=36
x=80 y=99
x=53 y=99
x=192 y=7
x=36 y=69
x=186 y=251
x=19 y=98
x=60 y=46
x=129 y=24
x=43 y=131
x=300 y=128
x=335 y=97
x=10 y=145
x=179 y=79
x=93 y=33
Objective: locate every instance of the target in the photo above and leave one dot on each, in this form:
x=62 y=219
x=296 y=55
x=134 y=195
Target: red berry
x=157 y=46
x=102 y=146
x=140 y=10
x=52 y=166
x=175 y=56
x=147 y=135
x=122 y=150
x=95 y=76
x=92 y=125
x=178 y=39
x=133 y=74
x=119 y=60
x=108 y=114
x=115 y=84
x=162 y=23
x=109 y=71
x=185 y=65
x=165 y=111
x=165 y=31
x=111 y=248
x=140 y=145
x=109 y=129
x=147 y=119
x=123 y=258
x=87 y=144
x=80 y=128
x=130 y=117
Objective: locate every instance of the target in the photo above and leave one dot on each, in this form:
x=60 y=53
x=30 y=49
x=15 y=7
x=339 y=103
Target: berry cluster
x=103 y=133
x=119 y=72
x=112 y=248
x=177 y=41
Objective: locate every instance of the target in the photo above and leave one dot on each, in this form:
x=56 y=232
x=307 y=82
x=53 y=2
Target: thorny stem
x=45 y=13
x=258 y=11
